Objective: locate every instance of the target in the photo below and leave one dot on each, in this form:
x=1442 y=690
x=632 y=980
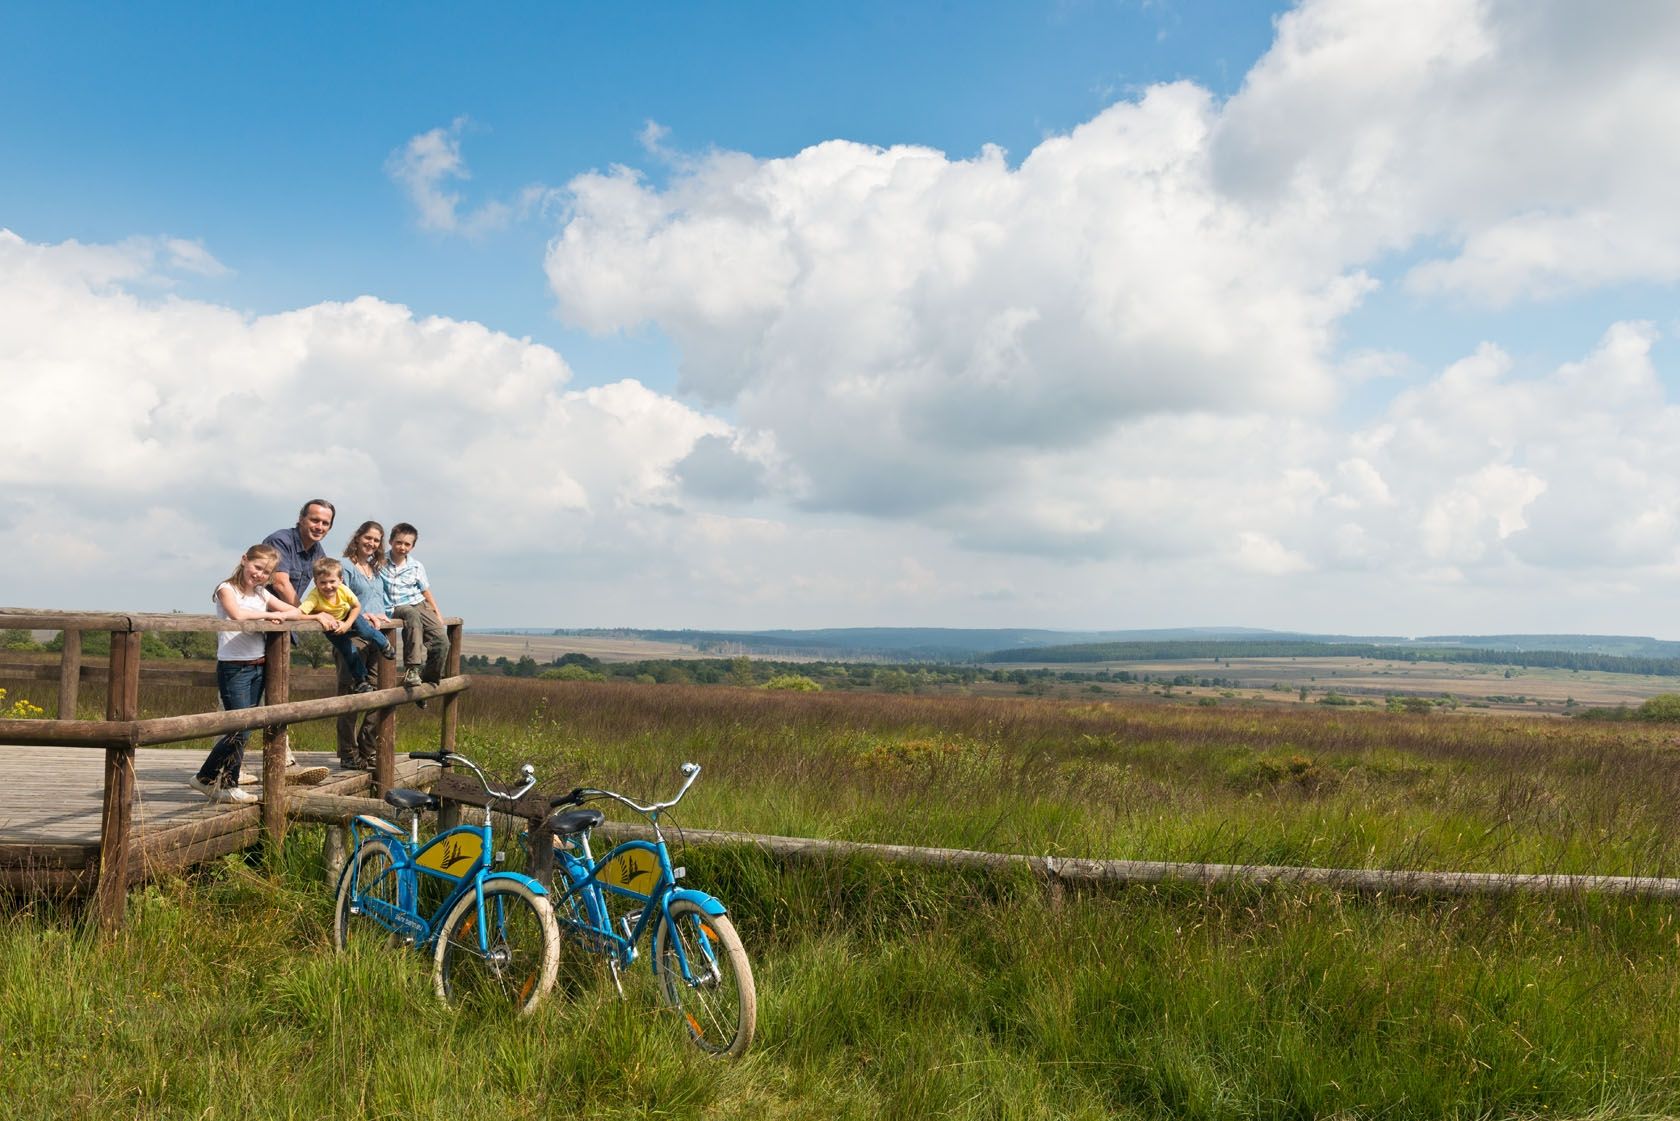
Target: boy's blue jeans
x=365 y=631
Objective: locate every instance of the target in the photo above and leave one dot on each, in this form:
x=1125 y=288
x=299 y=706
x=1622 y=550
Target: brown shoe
x=306 y=776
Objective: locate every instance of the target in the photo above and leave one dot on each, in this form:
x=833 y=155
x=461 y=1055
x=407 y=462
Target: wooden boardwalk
x=51 y=799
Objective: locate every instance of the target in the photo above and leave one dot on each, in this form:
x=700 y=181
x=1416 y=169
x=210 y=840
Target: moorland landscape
x=888 y=991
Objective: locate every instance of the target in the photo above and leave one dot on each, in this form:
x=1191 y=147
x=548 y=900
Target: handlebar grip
x=572 y=799
x=431 y=756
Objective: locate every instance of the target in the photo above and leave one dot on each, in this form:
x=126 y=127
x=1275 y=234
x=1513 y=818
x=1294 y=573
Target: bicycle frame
x=439 y=858
x=591 y=881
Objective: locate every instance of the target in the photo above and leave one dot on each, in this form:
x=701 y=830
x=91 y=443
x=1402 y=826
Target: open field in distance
x=547 y=647
x=1280 y=679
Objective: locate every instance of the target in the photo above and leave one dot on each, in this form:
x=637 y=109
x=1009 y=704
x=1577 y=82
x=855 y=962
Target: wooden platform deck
x=50 y=803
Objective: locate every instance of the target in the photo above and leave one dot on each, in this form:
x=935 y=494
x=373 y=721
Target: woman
x=362 y=558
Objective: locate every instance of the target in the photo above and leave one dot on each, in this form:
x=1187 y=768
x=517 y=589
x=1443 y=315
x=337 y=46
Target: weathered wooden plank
x=71 y=856
x=209 y=848
x=465 y=789
x=65 y=733
x=173 y=729
x=334 y=809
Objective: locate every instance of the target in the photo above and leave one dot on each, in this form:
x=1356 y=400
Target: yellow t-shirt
x=339 y=607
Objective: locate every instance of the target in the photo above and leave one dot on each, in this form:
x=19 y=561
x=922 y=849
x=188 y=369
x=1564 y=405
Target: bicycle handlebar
x=450 y=758
x=580 y=794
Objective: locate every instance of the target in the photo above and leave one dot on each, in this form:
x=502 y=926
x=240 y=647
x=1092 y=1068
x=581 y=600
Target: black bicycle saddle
x=405 y=799
x=574 y=821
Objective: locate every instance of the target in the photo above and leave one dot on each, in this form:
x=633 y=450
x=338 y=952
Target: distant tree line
x=1219 y=651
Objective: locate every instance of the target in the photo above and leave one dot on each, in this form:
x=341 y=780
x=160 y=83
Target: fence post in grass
x=385 y=734
x=122 y=702
x=449 y=810
x=334 y=851
x=69 y=674
x=277 y=687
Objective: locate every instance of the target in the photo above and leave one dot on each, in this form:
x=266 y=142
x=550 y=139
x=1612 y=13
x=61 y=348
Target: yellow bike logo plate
x=452 y=855
x=636 y=870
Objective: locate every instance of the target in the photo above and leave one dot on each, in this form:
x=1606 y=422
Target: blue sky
x=265 y=134
x=1344 y=315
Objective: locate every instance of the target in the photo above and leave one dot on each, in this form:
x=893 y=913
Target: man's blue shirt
x=295 y=560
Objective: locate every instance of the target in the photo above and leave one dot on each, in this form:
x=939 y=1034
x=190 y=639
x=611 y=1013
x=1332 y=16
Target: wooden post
x=385 y=736
x=334 y=851
x=451 y=668
x=277 y=685
x=449 y=810
x=122 y=702
x=541 y=863
x=69 y=674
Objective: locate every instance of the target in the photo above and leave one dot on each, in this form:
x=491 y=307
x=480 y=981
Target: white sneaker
x=208 y=789
x=306 y=776
x=246 y=778
x=233 y=795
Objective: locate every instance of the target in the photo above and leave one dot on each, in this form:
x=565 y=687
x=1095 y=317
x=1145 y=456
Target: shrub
x=1664 y=706
x=573 y=671
x=793 y=683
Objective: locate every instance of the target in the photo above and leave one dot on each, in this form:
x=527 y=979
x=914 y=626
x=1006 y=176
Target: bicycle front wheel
x=367 y=889
x=715 y=999
x=511 y=961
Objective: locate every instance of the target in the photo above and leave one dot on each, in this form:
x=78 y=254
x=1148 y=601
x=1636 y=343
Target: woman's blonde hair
x=262 y=551
x=378 y=554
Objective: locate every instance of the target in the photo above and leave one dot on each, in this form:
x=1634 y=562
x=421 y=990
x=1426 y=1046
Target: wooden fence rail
x=1082 y=871
x=121 y=859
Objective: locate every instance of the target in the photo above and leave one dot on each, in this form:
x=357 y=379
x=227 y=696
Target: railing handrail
x=21 y=618
x=122 y=730
x=178 y=729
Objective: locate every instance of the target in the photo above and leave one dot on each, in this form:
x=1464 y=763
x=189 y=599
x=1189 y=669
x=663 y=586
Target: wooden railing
x=122 y=731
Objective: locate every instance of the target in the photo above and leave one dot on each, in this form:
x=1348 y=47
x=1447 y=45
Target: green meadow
x=890 y=992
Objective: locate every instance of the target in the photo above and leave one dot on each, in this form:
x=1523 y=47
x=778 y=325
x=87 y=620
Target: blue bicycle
x=697 y=960
x=492 y=938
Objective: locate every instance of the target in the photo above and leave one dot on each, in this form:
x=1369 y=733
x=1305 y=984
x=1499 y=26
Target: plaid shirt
x=404 y=584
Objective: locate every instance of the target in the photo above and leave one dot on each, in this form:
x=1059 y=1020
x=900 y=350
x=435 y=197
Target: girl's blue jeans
x=241 y=686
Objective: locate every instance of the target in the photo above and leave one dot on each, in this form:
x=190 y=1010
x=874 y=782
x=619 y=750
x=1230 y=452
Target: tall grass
x=893 y=992
x=1235 y=785
x=884 y=993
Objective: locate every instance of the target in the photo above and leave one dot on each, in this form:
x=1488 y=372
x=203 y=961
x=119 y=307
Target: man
x=300 y=548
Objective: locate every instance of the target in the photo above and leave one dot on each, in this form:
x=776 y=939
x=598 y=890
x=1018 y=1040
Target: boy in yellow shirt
x=339 y=612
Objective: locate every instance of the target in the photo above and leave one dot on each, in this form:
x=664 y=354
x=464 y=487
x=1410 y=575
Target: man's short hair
x=322 y=566
x=402 y=528
x=303 y=511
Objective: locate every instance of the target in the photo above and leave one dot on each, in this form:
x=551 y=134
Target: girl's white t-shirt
x=238 y=646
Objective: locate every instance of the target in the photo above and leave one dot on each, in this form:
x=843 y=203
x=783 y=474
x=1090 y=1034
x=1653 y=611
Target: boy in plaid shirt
x=425 y=643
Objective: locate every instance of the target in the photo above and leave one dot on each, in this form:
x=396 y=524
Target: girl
x=239 y=666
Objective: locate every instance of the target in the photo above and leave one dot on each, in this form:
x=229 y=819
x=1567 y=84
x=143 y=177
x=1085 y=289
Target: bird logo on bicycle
x=629 y=868
x=451 y=855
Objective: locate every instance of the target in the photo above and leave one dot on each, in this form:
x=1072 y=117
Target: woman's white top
x=239 y=646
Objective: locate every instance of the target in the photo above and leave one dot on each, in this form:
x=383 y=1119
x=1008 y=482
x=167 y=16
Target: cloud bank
x=1103 y=384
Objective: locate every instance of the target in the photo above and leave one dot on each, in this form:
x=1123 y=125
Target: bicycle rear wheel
x=516 y=964
x=716 y=1001
x=368 y=884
